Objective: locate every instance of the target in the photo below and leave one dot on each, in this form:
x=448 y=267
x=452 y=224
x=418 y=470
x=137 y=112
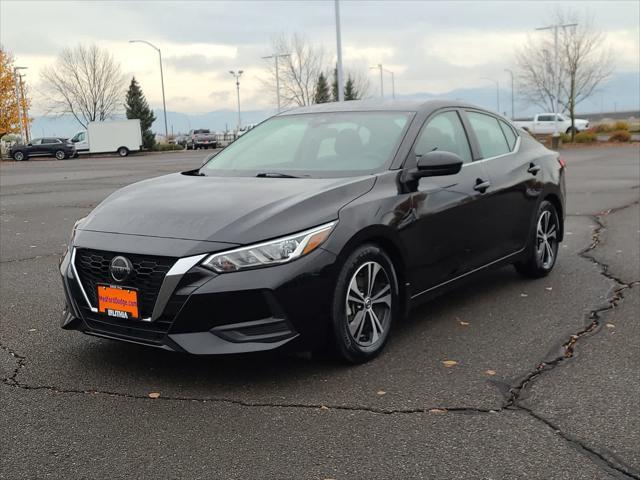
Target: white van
x=118 y=136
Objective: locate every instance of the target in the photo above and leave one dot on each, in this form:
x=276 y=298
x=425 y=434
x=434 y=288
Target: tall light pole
x=513 y=114
x=497 y=91
x=164 y=105
x=17 y=89
x=379 y=67
x=276 y=56
x=339 y=73
x=237 y=77
x=25 y=110
x=393 y=83
x=556 y=70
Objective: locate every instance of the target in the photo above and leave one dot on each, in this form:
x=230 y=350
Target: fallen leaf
x=438 y=411
x=381 y=392
x=324 y=407
x=449 y=363
x=153 y=395
x=462 y=322
x=610 y=325
x=32 y=329
x=548 y=288
x=490 y=372
x=524 y=295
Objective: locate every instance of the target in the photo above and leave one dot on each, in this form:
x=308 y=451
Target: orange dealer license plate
x=119 y=302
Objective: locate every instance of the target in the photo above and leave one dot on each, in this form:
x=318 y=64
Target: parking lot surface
x=546 y=383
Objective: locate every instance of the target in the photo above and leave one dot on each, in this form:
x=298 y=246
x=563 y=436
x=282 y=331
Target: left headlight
x=274 y=252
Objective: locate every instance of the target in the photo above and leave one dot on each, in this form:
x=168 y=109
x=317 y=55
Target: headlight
x=274 y=252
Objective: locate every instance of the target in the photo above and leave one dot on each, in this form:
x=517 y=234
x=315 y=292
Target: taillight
x=562 y=162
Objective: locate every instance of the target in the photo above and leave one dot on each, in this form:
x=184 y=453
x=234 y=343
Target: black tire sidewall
x=124 y=151
x=344 y=343
x=24 y=157
x=64 y=155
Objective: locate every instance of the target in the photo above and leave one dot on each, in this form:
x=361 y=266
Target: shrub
x=586 y=137
x=162 y=147
x=604 y=128
x=621 y=125
x=620 y=136
x=565 y=137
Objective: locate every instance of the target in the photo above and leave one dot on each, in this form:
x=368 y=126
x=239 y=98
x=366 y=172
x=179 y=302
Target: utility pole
x=513 y=114
x=556 y=70
x=275 y=56
x=25 y=111
x=17 y=89
x=340 y=75
x=379 y=67
x=164 y=105
x=393 y=84
x=237 y=77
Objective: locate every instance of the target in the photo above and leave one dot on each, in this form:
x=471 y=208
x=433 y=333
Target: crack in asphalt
x=607 y=461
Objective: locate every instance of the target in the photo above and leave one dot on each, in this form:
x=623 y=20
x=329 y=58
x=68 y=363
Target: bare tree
x=85 y=82
x=583 y=65
x=299 y=72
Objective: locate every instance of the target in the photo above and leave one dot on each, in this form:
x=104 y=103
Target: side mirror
x=29 y=144
x=437 y=163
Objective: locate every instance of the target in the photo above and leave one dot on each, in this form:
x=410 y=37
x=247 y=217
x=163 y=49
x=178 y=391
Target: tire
x=542 y=249
x=123 y=151
x=60 y=155
x=19 y=156
x=362 y=314
x=568 y=132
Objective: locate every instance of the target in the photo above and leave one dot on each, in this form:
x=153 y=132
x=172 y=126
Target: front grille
x=147 y=275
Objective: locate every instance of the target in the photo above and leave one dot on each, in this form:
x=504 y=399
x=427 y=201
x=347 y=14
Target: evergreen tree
x=350 y=91
x=137 y=107
x=322 y=90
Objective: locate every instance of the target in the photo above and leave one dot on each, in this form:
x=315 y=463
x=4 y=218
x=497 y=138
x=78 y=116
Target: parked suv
x=59 y=148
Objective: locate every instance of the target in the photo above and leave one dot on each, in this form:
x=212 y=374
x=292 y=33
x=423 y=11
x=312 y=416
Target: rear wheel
x=123 y=151
x=542 y=251
x=19 y=156
x=60 y=155
x=365 y=304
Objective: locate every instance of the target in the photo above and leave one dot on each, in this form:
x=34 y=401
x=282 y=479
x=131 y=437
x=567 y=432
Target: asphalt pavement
x=546 y=384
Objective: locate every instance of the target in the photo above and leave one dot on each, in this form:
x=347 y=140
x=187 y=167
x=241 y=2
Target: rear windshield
x=201 y=131
x=315 y=145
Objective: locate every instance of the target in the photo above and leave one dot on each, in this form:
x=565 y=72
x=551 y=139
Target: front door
x=443 y=241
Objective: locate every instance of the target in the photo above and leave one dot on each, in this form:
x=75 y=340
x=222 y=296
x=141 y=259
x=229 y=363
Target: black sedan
x=60 y=148
x=322 y=224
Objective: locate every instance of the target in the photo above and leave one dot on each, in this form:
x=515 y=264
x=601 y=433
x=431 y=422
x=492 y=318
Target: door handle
x=481 y=186
x=533 y=168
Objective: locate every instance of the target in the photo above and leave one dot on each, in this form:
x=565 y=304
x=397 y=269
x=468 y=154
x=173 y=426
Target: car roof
x=378 y=106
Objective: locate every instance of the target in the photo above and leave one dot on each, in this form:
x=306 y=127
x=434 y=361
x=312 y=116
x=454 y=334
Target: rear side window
x=444 y=132
x=489 y=134
x=509 y=135
x=545 y=118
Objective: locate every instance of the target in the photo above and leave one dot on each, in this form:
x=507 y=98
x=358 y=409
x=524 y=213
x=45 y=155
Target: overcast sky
x=432 y=46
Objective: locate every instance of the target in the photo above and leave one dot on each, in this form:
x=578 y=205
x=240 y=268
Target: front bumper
x=200 y=312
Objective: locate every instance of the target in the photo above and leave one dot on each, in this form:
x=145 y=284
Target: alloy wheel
x=368 y=304
x=18 y=156
x=546 y=239
x=60 y=155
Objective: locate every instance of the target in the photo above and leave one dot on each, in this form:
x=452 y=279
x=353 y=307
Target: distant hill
x=621 y=93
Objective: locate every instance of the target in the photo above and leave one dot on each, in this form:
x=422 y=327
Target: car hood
x=237 y=210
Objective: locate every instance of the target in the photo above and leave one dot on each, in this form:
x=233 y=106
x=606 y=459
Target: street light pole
x=393 y=83
x=497 y=91
x=339 y=73
x=17 y=89
x=513 y=115
x=275 y=56
x=164 y=105
x=556 y=70
x=237 y=77
x=25 y=110
x=379 y=67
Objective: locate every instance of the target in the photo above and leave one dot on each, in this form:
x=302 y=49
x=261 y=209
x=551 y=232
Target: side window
x=36 y=141
x=489 y=134
x=444 y=132
x=509 y=135
x=545 y=118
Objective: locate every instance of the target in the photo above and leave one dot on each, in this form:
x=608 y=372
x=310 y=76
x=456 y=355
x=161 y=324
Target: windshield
x=314 y=145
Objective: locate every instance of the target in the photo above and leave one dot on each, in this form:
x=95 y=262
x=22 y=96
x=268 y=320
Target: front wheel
x=542 y=250
x=19 y=156
x=123 y=151
x=365 y=303
x=60 y=155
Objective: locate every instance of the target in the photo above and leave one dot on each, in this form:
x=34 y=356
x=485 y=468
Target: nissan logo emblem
x=120 y=268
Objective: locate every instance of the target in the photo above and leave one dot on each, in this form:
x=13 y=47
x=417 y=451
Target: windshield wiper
x=275 y=175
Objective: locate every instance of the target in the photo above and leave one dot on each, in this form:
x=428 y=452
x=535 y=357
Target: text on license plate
x=119 y=302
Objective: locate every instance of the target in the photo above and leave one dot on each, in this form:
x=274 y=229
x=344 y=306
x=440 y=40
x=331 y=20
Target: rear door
x=544 y=124
x=50 y=145
x=36 y=147
x=443 y=240
x=512 y=196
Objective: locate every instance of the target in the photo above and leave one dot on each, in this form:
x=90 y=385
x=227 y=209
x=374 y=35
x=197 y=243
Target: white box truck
x=117 y=136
